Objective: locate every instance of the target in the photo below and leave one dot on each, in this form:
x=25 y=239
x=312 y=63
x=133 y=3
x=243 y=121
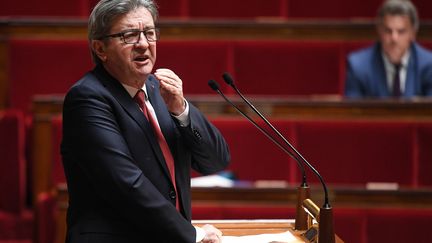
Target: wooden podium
x=256 y=227
x=248 y=227
x=228 y=227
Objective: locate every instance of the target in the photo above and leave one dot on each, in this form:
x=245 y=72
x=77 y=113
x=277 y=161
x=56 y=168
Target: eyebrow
x=135 y=29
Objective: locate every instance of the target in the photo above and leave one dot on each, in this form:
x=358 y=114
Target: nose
x=394 y=35
x=142 y=41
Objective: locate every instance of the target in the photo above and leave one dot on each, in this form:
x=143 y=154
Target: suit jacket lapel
x=123 y=97
x=411 y=75
x=379 y=70
x=164 y=117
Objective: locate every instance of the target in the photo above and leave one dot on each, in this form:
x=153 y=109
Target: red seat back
x=236 y=9
x=253 y=156
x=195 y=62
x=358 y=152
x=287 y=67
x=424 y=136
x=44 y=67
x=12 y=161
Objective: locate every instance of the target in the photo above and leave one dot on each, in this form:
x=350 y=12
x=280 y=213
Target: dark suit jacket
x=366 y=76
x=119 y=185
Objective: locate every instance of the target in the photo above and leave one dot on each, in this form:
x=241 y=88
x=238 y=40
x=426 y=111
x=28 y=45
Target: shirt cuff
x=183 y=118
x=200 y=234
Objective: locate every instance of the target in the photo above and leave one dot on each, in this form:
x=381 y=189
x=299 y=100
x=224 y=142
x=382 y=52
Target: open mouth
x=141 y=59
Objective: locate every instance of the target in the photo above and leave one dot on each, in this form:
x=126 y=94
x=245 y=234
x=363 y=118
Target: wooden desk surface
x=320 y=107
x=248 y=227
x=340 y=196
x=298 y=107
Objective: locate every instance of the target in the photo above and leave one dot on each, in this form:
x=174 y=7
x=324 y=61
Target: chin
x=144 y=72
x=396 y=58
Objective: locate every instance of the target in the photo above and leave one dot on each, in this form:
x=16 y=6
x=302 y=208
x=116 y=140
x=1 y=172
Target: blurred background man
x=396 y=66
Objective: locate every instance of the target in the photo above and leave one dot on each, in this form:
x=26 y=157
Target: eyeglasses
x=134 y=36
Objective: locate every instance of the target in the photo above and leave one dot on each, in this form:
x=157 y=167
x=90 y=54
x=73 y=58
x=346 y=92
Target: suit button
x=197 y=134
x=172 y=194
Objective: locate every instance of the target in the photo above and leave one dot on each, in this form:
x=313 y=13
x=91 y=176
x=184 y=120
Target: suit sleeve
x=427 y=79
x=353 y=87
x=94 y=140
x=210 y=152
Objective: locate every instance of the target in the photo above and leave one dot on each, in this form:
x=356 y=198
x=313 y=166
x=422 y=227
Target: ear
x=99 y=48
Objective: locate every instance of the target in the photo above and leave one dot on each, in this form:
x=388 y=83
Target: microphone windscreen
x=228 y=79
x=213 y=85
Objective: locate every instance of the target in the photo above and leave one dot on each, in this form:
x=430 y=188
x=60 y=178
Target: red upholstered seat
x=332 y=9
x=287 y=67
x=426 y=44
x=423 y=7
x=309 y=9
x=16 y=219
x=253 y=156
x=236 y=9
x=44 y=67
x=399 y=225
x=16 y=227
x=195 y=62
x=350 y=224
x=258 y=67
x=207 y=211
x=350 y=46
x=173 y=8
x=424 y=136
x=258 y=212
x=12 y=161
x=357 y=152
x=249 y=211
x=77 y=8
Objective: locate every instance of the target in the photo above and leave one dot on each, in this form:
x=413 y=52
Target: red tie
x=140 y=99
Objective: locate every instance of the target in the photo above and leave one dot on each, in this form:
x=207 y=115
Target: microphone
x=215 y=86
x=301 y=222
x=326 y=233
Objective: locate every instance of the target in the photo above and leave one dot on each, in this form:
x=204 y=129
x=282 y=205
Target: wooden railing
x=46 y=107
x=212 y=29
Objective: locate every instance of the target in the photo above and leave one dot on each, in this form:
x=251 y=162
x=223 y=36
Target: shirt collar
x=404 y=60
x=132 y=90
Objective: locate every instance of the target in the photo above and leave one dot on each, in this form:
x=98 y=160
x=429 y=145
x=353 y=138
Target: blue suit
x=119 y=185
x=366 y=75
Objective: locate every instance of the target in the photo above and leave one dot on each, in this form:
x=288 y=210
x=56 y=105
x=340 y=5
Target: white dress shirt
x=183 y=118
x=390 y=71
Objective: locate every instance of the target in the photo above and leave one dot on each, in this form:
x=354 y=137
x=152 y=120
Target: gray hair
x=106 y=11
x=399 y=7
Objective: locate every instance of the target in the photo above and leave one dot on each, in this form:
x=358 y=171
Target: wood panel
x=289 y=106
x=212 y=29
x=267 y=197
x=320 y=107
x=3 y=73
x=342 y=197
